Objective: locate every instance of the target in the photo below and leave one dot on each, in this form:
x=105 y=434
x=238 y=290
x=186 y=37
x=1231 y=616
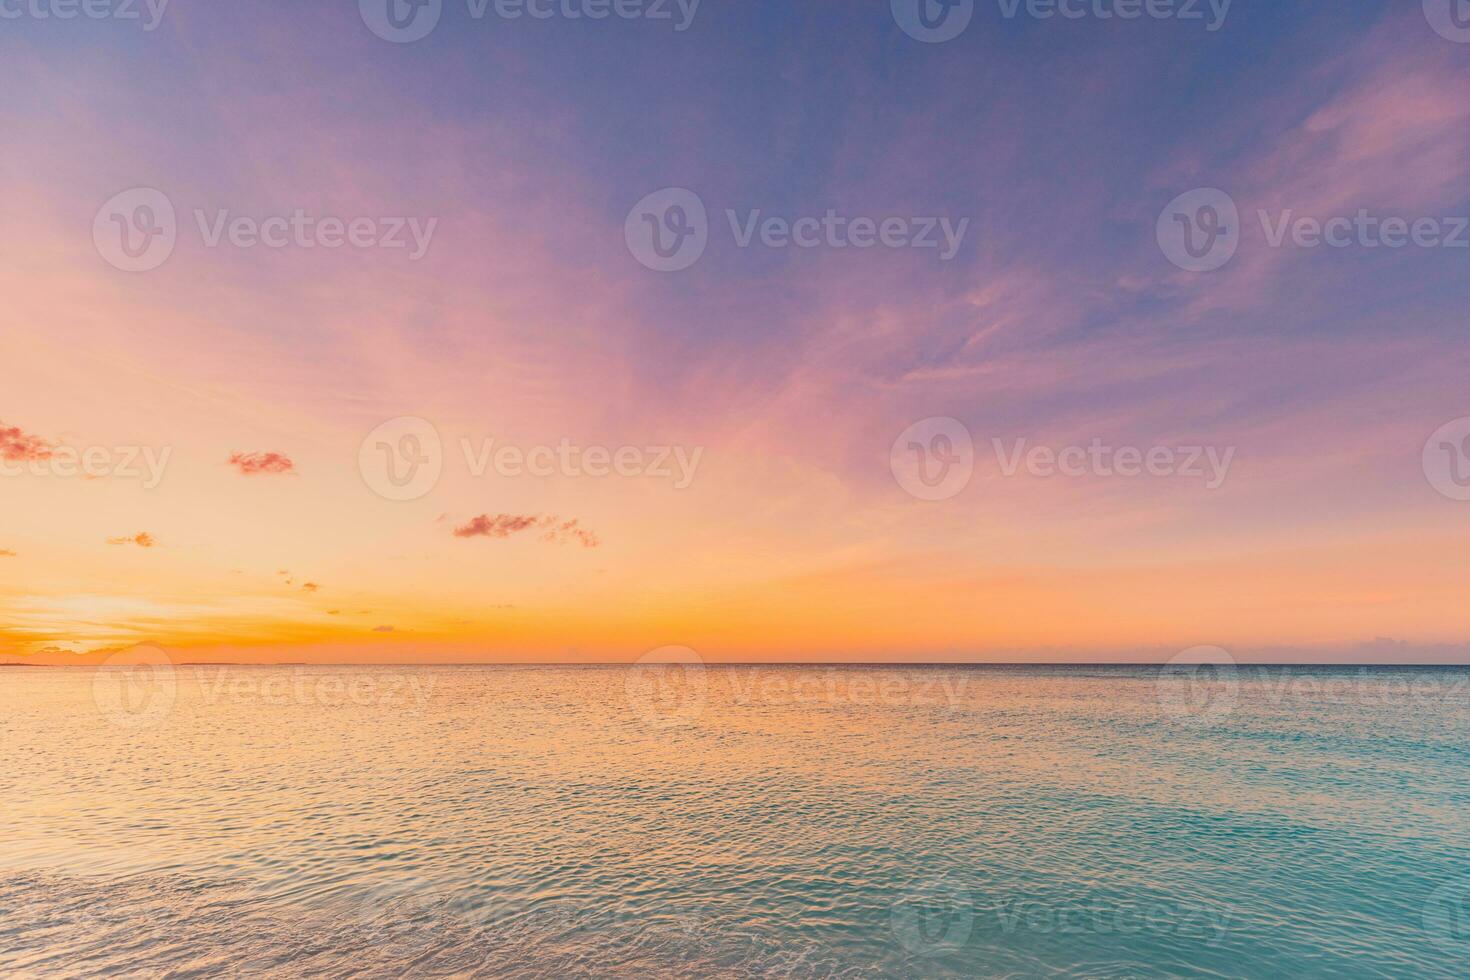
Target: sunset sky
x=251 y=376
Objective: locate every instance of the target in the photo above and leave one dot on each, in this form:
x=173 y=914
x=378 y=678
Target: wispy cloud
x=6 y=553
x=570 y=531
x=552 y=528
x=499 y=526
x=142 y=540
x=256 y=464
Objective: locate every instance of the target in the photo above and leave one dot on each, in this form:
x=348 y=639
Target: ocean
x=735 y=821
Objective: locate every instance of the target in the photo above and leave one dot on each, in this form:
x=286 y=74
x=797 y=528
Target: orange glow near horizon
x=240 y=385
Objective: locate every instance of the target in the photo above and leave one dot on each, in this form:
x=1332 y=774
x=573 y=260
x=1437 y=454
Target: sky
x=325 y=343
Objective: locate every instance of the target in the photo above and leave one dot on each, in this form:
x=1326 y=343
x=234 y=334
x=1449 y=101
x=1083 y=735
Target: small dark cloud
x=6 y=553
x=310 y=587
x=499 y=526
x=553 y=529
x=383 y=629
x=142 y=540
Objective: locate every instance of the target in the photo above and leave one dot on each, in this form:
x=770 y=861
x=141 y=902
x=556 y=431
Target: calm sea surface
x=551 y=822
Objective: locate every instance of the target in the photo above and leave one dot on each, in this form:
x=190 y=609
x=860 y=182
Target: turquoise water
x=992 y=822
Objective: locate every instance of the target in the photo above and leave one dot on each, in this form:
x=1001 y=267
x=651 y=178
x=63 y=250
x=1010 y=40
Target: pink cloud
x=499 y=526
x=253 y=464
x=569 y=531
x=20 y=447
x=553 y=529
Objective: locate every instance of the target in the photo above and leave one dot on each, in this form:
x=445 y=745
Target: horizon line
x=774 y=663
